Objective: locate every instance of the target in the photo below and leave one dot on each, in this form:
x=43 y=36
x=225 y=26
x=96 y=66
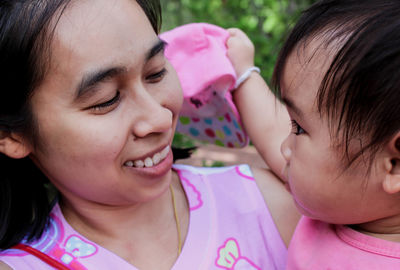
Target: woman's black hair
x=26 y=28
x=361 y=89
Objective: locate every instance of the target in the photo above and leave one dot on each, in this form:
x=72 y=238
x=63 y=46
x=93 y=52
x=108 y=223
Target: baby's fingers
x=240 y=50
x=236 y=33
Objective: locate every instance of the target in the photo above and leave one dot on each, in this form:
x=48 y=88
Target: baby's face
x=317 y=177
x=107 y=106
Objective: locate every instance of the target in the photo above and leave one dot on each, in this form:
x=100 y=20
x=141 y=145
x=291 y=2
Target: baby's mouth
x=149 y=161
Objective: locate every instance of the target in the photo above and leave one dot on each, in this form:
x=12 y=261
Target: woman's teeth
x=149 y=161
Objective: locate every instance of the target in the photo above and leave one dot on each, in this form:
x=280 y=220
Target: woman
x=91 y=101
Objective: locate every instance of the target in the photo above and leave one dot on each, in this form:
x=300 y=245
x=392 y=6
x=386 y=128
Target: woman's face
x=108 y=106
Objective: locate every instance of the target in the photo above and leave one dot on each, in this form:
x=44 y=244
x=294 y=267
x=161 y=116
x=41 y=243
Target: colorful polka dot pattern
x=223 y=130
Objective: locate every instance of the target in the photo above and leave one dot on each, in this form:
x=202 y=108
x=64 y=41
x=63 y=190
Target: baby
x=338 y=75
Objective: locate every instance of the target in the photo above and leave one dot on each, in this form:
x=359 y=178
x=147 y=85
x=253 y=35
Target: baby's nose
x=285 y=149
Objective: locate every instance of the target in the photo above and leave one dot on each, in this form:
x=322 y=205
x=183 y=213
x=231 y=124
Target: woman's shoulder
x=4 y=266
x=221 y=180
x=279 y=201
x=206 y=170
x=233 y=187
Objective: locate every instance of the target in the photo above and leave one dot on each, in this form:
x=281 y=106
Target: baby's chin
x=327 y=219
x=303 y=210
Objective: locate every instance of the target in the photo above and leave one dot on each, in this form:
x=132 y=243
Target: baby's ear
x=13 y=145
x=391 y=184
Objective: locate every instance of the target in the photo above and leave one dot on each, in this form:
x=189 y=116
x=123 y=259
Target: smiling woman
x=91 y=105
x=99 y=91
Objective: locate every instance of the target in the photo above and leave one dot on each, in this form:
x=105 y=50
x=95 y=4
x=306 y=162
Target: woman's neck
x=100 y=222
x=133 y=232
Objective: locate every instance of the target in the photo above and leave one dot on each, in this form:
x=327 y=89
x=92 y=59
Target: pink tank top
x=230 y=228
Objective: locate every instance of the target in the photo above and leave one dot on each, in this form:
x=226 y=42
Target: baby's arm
x=264 y=118
x=266 y=121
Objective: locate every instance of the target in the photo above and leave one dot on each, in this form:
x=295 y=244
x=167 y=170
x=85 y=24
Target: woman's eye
x=296 y=128
x=107 y=104
x=156 y=77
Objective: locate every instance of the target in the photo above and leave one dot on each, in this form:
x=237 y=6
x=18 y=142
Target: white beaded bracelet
x=246 y=75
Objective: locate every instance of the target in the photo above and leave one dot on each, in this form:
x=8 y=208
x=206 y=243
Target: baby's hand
x=240 y=51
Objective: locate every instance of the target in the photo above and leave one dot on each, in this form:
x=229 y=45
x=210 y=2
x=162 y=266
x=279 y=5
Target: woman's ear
x=391 y=184
x=13 y=145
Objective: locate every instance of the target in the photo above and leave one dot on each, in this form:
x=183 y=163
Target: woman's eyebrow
x=157 y=48
x=90 y=80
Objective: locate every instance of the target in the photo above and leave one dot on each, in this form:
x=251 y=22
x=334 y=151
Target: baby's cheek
x=298 y=188
x=300 y=204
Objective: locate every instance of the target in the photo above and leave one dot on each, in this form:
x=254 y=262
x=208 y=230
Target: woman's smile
x=152 y=167
x=151 y=159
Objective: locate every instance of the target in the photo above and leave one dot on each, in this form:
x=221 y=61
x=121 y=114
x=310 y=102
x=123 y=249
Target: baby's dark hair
x=26 y=31
x=361 y=89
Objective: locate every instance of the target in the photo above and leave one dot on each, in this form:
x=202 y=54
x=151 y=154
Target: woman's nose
x=285 y=149
x=154 y=118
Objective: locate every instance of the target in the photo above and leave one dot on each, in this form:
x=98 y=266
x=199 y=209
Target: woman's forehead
x=92 y=34
x=96 y=35
x=93 y=21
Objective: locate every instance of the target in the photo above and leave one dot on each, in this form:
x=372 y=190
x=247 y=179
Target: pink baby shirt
x=230 y=227
x=318 y=246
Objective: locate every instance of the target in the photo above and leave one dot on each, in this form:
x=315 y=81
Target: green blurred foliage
x=215 y=163
x=266 y=22
x=183 y=141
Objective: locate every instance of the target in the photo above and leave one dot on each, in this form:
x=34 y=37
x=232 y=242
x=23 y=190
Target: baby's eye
x=156 y=77
x=105 y=105
x=296 y=128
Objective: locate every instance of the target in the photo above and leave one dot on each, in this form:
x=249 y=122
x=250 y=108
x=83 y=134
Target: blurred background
x=266 y=22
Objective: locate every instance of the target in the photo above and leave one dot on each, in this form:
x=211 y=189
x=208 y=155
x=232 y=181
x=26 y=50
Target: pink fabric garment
x=197 y=51
x=230 y=227
x=318 y=245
